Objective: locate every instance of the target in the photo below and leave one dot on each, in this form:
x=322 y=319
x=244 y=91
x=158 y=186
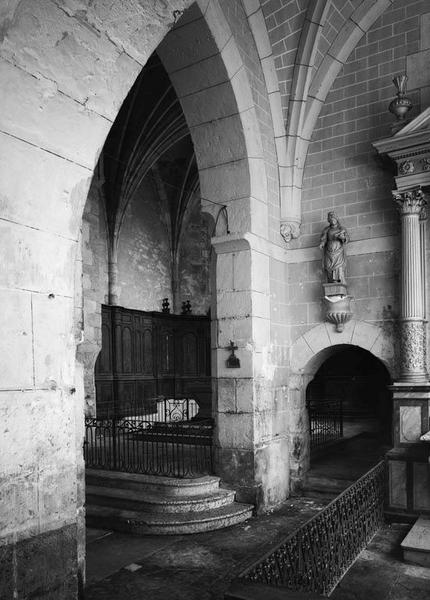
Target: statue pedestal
x=335 y=289
x=337 y=304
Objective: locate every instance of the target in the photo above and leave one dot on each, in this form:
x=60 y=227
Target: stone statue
x=332 y=243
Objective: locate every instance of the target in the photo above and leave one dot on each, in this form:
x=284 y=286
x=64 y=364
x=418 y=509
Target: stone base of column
x=413 y=351
x=408 y=471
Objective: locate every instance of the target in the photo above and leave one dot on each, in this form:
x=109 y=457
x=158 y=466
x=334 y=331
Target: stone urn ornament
x=401 y=105
x=336 y=300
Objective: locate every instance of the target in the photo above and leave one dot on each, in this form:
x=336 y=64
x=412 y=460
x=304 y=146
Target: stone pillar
x=409 y=481
x=412 y=326
x=113 y=277
x=252 y=451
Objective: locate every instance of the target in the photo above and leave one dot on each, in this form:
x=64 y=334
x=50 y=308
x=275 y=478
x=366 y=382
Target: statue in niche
x=332 y=243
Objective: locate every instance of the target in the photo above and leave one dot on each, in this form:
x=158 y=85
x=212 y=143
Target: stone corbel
x=290 y=230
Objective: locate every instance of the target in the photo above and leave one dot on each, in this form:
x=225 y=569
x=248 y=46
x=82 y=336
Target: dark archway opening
x=350 y=417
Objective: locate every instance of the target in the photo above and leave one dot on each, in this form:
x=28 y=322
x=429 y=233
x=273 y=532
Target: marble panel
x=421 y=493
x=410 y=424
x=397 y=484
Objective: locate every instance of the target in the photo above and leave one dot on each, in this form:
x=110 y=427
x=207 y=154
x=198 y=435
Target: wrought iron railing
x=134 y=445
x=158 y=438
x=326 y=422
x=316 y=556
x=151 y=409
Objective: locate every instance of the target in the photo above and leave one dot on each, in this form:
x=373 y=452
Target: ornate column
x=412 y=310
x=409 y=476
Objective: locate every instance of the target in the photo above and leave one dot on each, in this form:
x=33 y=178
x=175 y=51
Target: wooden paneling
x=148 y=354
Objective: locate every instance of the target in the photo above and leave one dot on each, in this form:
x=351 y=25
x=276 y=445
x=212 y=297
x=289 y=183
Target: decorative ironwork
x=186 y=307
x=326 y=422
x=315 y=557
x=165 y=306
x=166 y=442
x=232 y=361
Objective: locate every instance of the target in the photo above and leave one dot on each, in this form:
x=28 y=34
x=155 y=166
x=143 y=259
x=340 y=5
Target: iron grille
x=315 y=557
x=326 y=422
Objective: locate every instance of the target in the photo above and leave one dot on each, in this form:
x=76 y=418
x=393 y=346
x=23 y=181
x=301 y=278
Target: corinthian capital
x=410 y=202
x=290 y=230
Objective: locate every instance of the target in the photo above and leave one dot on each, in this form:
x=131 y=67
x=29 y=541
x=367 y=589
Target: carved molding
x=410 y=202
x=426 y=164
x=290 y=230
x=407 y=167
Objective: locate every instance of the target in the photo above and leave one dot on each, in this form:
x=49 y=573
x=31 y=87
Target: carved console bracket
x=290 y=230
x=337 y=305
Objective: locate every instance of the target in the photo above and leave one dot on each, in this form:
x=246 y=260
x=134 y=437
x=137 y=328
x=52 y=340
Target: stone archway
x=307 y=355
x=66 y=71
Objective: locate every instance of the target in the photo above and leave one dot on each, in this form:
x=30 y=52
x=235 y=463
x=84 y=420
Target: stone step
x=140 y=522
x=416 y=545
x=153 y=484
x=149 y=502
x=325 y=485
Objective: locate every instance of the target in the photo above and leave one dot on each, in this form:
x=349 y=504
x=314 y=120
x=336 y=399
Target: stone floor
x=201 y=566
x=379 y=573
x=350 y=459
x=191 y=567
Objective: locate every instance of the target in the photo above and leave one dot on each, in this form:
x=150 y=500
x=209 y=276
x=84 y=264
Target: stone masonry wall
x=144 y=262
x=343 y=174
x=94 y=286
x=194 y=261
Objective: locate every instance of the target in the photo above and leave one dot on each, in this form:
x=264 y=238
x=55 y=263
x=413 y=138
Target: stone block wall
x=144 y=263
x=343 y=173
x=94 y=286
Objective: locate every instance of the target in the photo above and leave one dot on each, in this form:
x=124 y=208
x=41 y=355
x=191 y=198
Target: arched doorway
x=358 y=383
x=349 y=414
x=308 y=354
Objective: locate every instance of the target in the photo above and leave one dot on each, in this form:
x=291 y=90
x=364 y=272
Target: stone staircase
x=149 y=504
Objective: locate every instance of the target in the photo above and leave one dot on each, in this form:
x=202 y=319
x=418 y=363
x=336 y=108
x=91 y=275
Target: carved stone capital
x=410 y=202
x=290 y=230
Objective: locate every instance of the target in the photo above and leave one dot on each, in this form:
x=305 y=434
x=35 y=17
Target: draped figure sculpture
x=332 y=243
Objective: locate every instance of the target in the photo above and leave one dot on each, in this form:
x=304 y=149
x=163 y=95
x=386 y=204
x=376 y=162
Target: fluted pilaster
x=412 y=305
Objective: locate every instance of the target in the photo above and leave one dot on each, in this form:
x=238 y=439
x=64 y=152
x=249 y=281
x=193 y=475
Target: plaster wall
x=144 y=259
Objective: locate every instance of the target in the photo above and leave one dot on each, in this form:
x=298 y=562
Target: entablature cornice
x=409 y=149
